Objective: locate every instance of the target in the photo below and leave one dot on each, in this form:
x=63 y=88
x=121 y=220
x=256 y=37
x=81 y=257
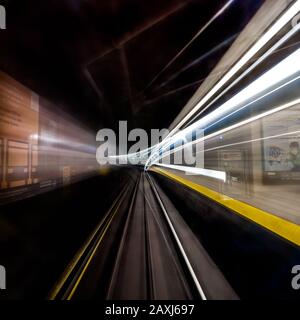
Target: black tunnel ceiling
x=96 y=58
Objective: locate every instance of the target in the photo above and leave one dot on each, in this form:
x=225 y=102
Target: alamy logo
x=142 y=146
x=2 y=278
x=296 y=278
x=2 y=17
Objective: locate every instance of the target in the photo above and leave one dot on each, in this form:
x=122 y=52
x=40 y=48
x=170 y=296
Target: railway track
x=142 y=250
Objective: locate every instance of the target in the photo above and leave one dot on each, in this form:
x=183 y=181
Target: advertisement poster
x=19 y=125
x=281 y=145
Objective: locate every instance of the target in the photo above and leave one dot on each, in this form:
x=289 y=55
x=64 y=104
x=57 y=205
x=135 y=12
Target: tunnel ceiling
x=98 y=59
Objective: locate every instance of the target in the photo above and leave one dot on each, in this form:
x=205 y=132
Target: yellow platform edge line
x=284 y=228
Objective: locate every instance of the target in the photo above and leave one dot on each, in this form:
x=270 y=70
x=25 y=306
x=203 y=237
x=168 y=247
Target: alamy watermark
x=296 y=278
x=136 y=147
x=2 y=17
x=2 y=278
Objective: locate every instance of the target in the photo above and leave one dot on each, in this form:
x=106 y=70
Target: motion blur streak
x=206 y=209
x=237 y=125
x=217 y=15
x=197 y=171
x=278 y=44
x=276 y=27
x=43 y=147
x=275 y=76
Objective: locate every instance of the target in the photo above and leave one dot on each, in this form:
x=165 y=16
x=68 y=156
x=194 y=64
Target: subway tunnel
x=150 y=150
